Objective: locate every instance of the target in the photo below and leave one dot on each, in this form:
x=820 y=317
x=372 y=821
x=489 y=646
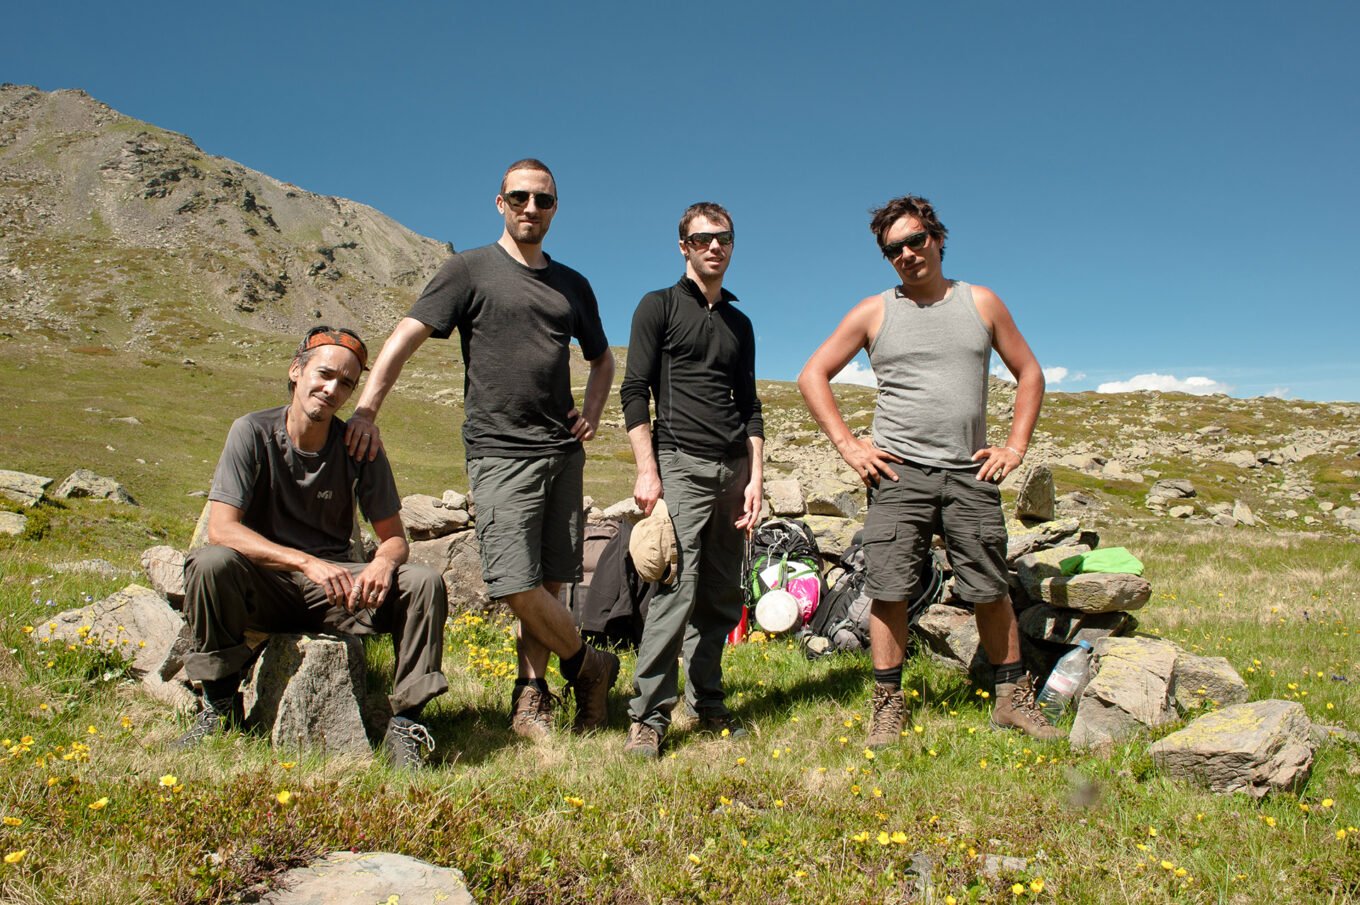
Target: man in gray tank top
x=929 y=467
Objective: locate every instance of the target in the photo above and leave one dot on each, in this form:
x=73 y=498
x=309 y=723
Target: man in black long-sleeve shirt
x=693 y=353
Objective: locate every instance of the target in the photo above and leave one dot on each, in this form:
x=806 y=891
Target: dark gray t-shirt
x=516 y=325
x=298 y=499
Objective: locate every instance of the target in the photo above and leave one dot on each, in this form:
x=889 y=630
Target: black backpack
x=609 y=604
x=842 y=621
x=779 y=540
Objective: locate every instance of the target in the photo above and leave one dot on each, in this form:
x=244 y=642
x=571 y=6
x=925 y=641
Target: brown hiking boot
x=1016 y=709
x=591 y=689
x=643 y=741
x=889 y=714
x=532 y=713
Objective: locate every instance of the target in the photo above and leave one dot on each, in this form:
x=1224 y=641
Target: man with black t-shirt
x=516 y=311
x=279 y=559
x=694 y=354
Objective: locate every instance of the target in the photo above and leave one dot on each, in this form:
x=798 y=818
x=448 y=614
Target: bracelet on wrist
x=1016 y=451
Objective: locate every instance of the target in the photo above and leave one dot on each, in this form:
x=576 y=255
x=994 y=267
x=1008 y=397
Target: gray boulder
x=306 y=692
x=98 y=567
x=164 y=567
x=363 y=878
x=1256 y=748
x=84 y=483
x=950 y=634
x=1242 y=459
x=455 y=500
x=830 y=496
x=1129 y=690
x=786 y=497
x=24 y=489
x=1096 y=592
x=12 y=523
x=624 y=509
x=833 y=535
x=427 y=517
x=1059 y=626
x=458 y=559
x=1037 y=498
x=1168 y=489
x=1242 y=514
x=1206 y=682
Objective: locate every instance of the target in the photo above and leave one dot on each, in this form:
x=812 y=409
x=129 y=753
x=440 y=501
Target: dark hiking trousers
x=225 y=594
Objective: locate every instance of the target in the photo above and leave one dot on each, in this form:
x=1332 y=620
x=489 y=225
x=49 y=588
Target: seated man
x=279 y=532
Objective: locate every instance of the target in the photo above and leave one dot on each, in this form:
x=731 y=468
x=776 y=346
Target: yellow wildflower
x=169 y=780
x=1017 y=889
x=14 y=821
x=284 y=798
x=98 y=805
x=1036 y=885
x=16 y=857
x=695 y=859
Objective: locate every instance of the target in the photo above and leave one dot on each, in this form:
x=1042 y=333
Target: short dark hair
x=528 y=163
x=307 y=348
x=704 y=209
x=907 y=205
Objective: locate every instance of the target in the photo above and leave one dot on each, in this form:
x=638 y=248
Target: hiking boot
x=214 y=719
x=403 y=741
x=1016 y=709
x=591 y=689
x=719 y=722
x=531 y=715
x=643 y=741
x=889 y=713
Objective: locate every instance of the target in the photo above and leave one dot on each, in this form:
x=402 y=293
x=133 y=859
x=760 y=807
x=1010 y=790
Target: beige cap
x=653 y=547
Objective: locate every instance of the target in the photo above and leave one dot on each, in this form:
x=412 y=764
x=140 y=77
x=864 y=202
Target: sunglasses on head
x=703 y=240
x=915 y=241
x=543 y=200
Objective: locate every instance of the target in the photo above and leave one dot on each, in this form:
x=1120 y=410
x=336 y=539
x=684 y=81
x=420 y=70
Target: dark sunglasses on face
x=915 y=241
x=703 y=240
x=543 y=200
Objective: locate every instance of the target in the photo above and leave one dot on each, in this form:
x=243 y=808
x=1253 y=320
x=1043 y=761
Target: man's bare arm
x=647 y=488
x=372 y=584
x=852 y=335
x=361 y=433
x=754 y=494
x=584 y=423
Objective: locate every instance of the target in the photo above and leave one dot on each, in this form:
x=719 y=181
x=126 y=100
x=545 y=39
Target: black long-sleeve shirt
x=699 y=365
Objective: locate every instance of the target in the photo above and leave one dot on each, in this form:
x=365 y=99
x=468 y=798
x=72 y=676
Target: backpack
x=843 y=619
x=783 y=554
x=609 y=604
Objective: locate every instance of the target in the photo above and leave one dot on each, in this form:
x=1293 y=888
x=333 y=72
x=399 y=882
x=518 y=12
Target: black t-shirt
x=299 y=499
x=516 y=324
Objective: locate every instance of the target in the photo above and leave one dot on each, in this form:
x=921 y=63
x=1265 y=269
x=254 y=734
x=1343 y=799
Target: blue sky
x=1164 y=189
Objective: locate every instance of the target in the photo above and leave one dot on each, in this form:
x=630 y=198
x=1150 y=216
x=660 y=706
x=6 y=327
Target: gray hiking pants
x=225 y=594
x=695 y=614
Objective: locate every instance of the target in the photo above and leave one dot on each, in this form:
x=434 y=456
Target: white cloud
x=857 y=374
x=1279 y=393
x=1052 y=376
x=1166 y=383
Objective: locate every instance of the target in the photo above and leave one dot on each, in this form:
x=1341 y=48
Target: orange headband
x=325 y=336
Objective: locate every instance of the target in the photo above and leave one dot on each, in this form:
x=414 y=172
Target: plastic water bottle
x=1064 y=681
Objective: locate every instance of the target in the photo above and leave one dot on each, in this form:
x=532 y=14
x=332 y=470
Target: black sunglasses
x=703 y=240
x=915 y=241
x=544 y=201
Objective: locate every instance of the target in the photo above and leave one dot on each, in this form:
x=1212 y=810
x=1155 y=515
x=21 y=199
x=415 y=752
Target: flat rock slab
x=84 y=483
x=12 y=523
x=1129 y=690
x=427 y=517
x=1033 y=568
x=1256 y=748
x=1206 y=682
x=1059 y=626
x=1022 y=538
x=370 y=878
x=830 y=496
x=306 y=691
x=1096 y=592
x=1036 y=498
x=786 y=497
x=24 y=489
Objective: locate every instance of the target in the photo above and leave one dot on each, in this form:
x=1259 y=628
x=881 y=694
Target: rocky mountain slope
x=120 y=232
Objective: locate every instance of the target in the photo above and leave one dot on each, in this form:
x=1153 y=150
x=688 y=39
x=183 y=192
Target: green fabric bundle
x=1106 y=559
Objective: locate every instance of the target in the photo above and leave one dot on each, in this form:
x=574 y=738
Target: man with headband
x=280 y=532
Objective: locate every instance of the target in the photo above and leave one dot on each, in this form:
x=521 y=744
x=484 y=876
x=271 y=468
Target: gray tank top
x=931 y=363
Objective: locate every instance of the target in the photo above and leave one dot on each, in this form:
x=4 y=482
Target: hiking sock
x=1009 y=673
x=891 y=677
x=571 y=666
